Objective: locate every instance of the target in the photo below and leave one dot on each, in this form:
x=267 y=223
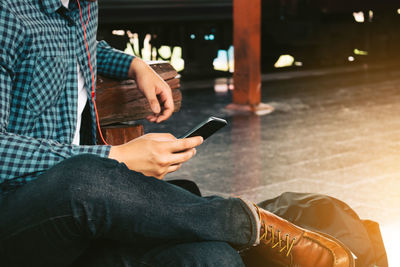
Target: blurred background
x=331 y=71
x=303 y=33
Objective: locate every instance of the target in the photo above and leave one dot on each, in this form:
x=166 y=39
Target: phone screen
x=206 y=128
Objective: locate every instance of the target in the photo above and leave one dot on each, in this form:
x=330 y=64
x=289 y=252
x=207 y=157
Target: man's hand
x=156 y=90
x=156 y=154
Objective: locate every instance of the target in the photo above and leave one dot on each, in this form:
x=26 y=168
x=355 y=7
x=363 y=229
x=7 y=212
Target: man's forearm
x=111 y=62
x=23 y=156
x=138 y=66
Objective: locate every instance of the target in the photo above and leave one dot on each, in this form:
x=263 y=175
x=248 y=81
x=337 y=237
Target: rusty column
x=247 y=43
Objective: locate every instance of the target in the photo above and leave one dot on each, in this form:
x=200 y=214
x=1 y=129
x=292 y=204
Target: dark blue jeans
x=92 y=211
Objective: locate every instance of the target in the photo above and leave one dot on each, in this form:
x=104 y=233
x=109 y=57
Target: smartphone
x=206 y=128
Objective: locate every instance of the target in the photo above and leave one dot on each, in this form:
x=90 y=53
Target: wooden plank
x=120 y=134
x=247 y=43
x=121 y=101
x=106 y=86
x=126 y=103
x=164 y=69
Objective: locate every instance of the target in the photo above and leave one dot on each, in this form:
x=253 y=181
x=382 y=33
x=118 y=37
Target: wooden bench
x=121 y=105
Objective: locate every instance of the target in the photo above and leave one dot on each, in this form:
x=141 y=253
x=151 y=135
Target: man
x=67 y=202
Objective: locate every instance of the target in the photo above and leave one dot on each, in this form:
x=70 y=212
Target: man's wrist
x=137 y=64
x=114 y=153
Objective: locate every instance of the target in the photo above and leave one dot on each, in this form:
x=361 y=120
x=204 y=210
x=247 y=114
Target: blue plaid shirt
x=40 y=45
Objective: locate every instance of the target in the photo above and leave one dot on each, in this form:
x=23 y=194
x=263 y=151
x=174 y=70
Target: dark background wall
x=317 y=33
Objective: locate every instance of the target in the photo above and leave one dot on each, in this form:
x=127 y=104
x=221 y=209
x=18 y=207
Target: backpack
x=329 y=215
x=324 y=214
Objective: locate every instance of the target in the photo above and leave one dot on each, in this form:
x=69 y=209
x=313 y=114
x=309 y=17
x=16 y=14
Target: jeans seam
x=34 y=225
x=145 y=264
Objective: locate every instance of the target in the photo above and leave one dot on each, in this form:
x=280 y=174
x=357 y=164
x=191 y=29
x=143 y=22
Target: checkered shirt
x=40 y=45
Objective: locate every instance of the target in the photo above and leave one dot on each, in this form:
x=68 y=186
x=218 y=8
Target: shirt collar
x=52 y=6
x=65 y=3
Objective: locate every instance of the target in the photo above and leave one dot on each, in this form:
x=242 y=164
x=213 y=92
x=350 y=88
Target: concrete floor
x=336 y=134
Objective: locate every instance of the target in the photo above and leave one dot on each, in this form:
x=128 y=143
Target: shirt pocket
x=47 y=84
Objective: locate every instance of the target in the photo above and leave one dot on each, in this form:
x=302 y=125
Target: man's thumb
x=155 y=106
x=153 y=101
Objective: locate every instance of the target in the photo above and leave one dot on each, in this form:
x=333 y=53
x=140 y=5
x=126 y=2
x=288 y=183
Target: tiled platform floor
x=337 y=134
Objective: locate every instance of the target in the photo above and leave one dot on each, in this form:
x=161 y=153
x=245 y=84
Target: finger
x=168 y=108
x=167 y=101
x=151 y=118
x=161 y=177
x=184 y=144
x=174 y=168
x=165 y=115
x=153 y=101
x=181 y=157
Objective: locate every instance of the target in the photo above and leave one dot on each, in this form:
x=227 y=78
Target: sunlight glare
x=118 y=32
x=284 y=61
x=391 y=237
x=176 y=59
x=359 y=16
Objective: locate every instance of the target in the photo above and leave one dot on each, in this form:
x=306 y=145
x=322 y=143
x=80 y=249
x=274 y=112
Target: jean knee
x=83 y=176
x=87 y=163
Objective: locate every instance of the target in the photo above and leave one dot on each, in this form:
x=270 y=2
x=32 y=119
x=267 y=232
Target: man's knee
x=83 y=176
x=84 y=166
x=87 y=163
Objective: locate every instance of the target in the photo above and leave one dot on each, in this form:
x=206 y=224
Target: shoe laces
x=273 y=237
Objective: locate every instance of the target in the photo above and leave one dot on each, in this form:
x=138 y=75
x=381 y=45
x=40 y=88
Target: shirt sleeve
x=112 y=62
x=23 y=158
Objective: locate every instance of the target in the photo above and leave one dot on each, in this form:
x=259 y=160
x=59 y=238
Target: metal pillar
x=247 y=43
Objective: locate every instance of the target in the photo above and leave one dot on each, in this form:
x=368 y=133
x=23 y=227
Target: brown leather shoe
x=284 y=244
